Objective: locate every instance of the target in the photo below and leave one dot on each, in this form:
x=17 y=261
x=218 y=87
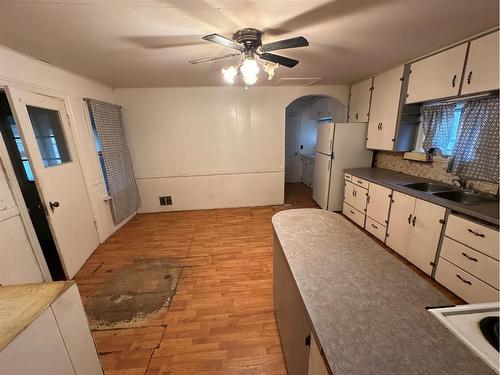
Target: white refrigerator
x=338 y=146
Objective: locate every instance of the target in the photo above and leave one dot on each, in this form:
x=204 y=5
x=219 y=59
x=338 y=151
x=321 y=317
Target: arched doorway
x=302 y=117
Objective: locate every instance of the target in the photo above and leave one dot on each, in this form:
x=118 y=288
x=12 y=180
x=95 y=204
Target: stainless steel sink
x=429 y=186
x=466 y=197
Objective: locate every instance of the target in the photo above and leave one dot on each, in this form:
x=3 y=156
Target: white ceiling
x=147 y=43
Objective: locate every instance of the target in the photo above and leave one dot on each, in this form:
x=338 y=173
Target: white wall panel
x=191 y=142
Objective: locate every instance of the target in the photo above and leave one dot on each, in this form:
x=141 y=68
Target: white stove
x=464 y=321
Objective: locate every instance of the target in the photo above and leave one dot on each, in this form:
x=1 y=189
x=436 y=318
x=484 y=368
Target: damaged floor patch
x=138 y=292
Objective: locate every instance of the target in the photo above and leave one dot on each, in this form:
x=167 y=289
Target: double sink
x=451 y=193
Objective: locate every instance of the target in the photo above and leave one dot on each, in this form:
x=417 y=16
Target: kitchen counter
x=487 y=212
x=22 y=304
x=366 y=307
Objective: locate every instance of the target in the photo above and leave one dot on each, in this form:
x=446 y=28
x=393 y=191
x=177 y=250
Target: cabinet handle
x=374 y=226
x=414 y=220
x=308 y=340
x=367 y=199
x=476 y=233
x=409 y=219
x=356 y=116
x=469 y=77
x=463 y=280
x=352 y=212
x=453 y=81
x=469 y=257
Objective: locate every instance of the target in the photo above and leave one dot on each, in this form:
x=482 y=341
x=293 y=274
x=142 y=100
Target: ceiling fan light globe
x=229 y=74
x=250 y=70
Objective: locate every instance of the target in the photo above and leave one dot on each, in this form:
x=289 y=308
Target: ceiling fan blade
x=299 y=41
x=219 y=39
x=282 y=60
x=205 y=59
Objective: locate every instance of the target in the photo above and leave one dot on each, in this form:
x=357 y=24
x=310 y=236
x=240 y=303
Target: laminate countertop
x=367 y=308
x=487 y=212
x=22 y=304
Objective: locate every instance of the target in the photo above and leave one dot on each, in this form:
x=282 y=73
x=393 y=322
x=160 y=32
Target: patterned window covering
x=475 y=155
x=107 y=120
x=437 y=122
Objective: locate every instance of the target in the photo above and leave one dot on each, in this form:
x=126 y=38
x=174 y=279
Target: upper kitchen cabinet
x=359 y=101
x=437 y=76
x=481 y=72
x=391 y=126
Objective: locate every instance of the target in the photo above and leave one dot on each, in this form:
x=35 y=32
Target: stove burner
x=489 y=327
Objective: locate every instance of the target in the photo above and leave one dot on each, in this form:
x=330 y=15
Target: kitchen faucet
x=462 y=182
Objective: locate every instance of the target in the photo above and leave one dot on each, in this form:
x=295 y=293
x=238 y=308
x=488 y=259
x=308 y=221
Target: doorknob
x=53 y=205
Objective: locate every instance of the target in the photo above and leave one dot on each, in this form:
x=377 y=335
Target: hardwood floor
x=221 y=320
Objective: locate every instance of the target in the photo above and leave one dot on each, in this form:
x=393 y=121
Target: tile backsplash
x=435 y=170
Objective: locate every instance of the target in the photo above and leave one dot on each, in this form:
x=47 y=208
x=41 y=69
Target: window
x=20 y=146
x=98 y=147
x=454 y=132
x=49 y=136
x=451 y=138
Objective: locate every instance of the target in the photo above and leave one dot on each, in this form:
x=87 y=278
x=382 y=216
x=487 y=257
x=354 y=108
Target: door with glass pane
x=45 y=129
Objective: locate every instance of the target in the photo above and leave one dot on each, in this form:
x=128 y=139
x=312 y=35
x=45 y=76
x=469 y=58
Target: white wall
x=28 y=73
x=210 y=147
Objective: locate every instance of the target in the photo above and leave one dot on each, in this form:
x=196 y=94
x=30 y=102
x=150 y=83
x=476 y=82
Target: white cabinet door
x=379 y=200
x=359 y=102
x=427 y=223
x=400 y=218
x=355 y=196
x=384 y=109
x=39 y=349
x=481 y=73
x=72 y=323
x=437 y=76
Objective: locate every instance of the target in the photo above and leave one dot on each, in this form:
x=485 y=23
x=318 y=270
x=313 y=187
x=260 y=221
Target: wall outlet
x=166 y=200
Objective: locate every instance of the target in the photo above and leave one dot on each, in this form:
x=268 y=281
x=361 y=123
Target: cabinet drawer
x=347 y=177
x=360 y=182
x=472 y=261
x=463 y=284
x=375 y=228
x=477 y=236
x=354 y=215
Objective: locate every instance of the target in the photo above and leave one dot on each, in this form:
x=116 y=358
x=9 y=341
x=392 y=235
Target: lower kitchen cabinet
x=307 y=171
x=355 y=196
x=378 y=202
x=414 y=230
x=398 y=229
x=57 y=341
x=291 y=315
x=423 y=241
x=317 y=364
x=468 y=261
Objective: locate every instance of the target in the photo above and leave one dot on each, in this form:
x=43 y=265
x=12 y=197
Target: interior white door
x=321 y=179
x=437 y=76
x=292 y=159
x=46 y=132
x=400 y=222
x=424 y=236
x=481 y=73
x=379 y=200
x=384 y=109
x=324 y=140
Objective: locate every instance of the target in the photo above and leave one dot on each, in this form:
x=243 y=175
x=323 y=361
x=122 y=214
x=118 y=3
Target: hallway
x=221 y=318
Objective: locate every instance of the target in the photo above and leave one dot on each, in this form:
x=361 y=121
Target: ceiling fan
x=248 y=41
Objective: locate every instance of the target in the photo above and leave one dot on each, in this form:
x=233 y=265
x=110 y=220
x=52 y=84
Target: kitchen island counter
x=366 y=308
